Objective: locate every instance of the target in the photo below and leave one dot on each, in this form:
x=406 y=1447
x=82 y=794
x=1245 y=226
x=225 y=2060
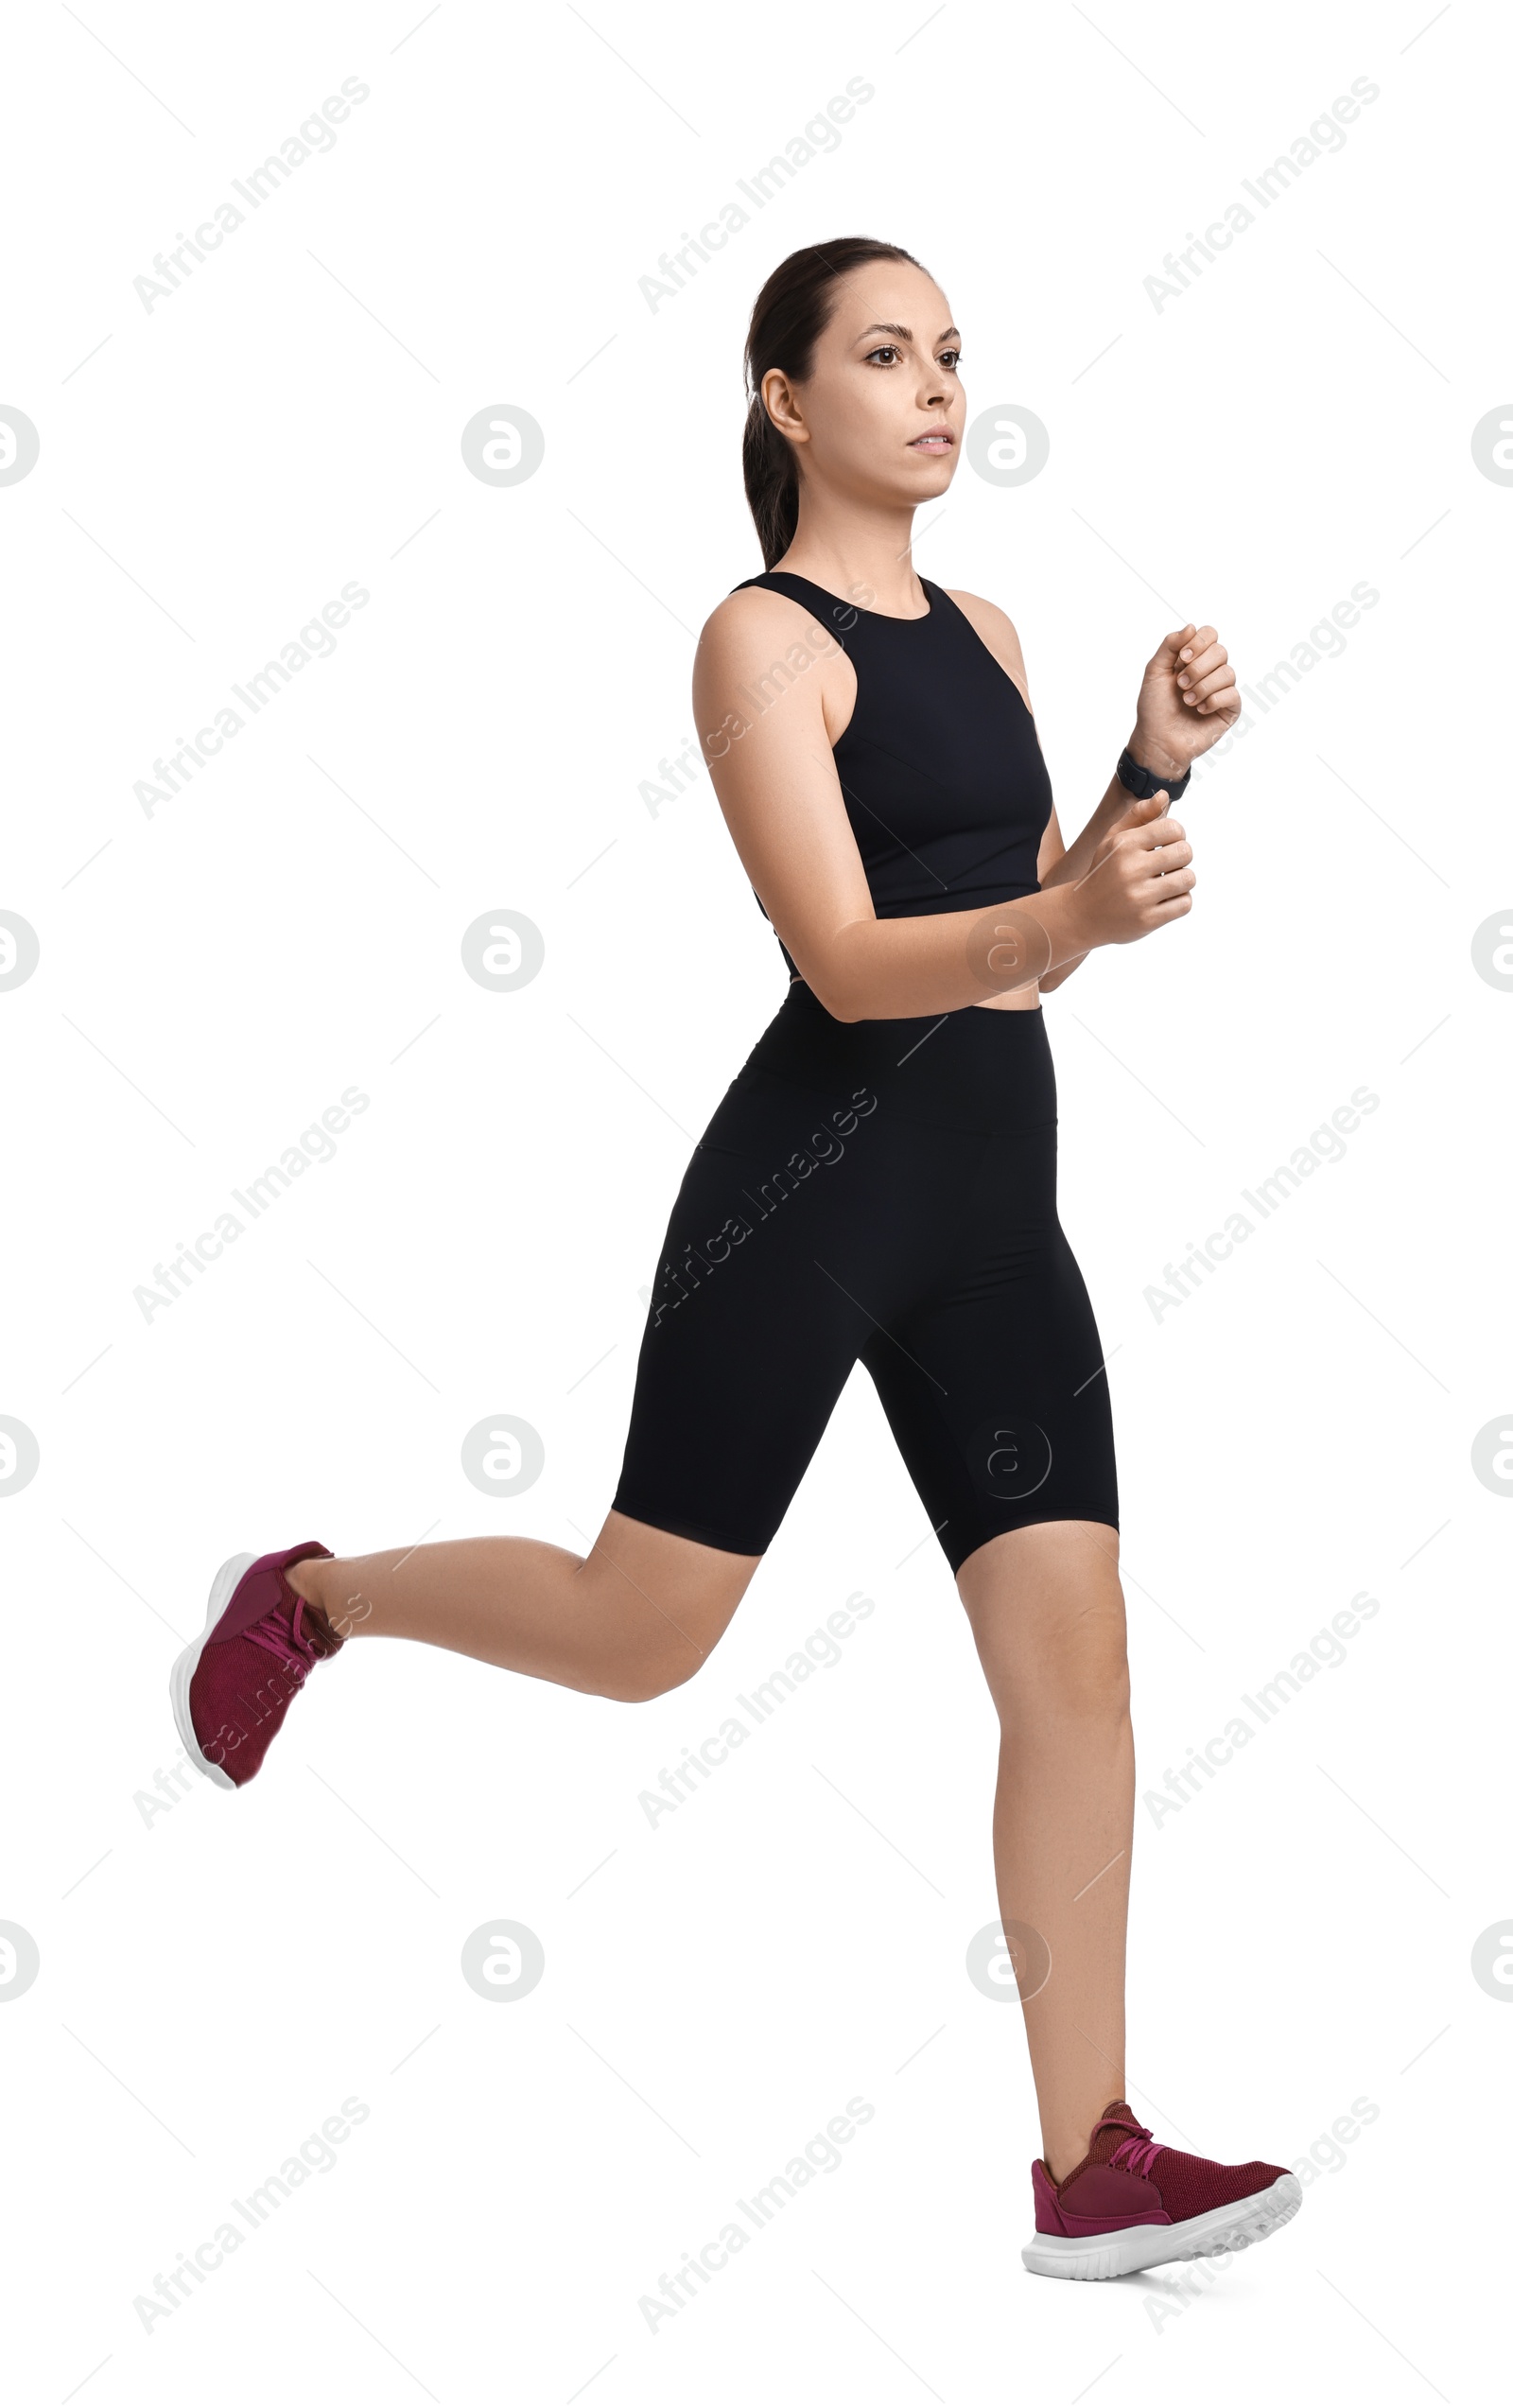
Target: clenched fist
x=1141 y=875
x=1188 y=700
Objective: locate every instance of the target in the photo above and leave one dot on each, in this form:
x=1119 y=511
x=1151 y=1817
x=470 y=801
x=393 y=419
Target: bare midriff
x=1024 y=999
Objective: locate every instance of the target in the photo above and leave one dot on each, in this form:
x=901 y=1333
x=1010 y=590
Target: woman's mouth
x=938 y=439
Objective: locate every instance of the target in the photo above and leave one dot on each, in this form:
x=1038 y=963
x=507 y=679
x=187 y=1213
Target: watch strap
x=1141 y=782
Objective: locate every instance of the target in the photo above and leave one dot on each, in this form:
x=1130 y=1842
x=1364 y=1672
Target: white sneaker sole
x=222 y=1589
x=1097 y=2256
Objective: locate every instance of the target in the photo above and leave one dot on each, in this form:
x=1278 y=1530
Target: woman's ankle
x=1065 y=2142
x=303 y=1577
x=328 y=1590
x=310 y=1579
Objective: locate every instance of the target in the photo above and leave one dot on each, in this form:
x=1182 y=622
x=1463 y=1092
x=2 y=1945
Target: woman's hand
x=1188 y=700
x=1141 y=875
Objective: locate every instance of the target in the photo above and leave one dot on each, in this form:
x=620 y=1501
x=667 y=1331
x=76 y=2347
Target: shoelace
x=271 y=1635
x=1137 y=2154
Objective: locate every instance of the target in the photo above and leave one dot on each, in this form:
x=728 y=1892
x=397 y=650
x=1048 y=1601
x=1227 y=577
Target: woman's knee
x=1079 y=1667
x=1047 y=1614
x=666 y=1611
x=1066 y=1661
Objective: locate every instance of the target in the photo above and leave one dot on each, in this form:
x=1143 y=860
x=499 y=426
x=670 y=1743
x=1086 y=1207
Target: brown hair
x=791 y=311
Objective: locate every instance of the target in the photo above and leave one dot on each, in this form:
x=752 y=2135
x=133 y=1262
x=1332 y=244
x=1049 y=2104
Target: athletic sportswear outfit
x=885 y=1189
x=876 y=1189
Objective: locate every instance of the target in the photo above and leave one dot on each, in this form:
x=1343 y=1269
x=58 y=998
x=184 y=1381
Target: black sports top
x=944 y=784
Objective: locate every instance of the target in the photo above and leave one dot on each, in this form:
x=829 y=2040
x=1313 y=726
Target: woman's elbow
x=826 y=981
x=838 y=982
x=837 y=1001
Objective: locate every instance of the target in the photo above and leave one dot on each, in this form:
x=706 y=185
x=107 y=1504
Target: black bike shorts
x=883 y=1191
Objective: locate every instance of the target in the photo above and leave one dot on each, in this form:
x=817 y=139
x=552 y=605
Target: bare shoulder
x=756 y=645
x=998 y=633
x=753 y=621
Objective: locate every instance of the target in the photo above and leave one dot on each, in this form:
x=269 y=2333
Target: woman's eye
x=952 y=359
x=887 y=350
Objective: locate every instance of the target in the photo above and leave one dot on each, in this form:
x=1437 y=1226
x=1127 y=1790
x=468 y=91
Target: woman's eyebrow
x=904 y=333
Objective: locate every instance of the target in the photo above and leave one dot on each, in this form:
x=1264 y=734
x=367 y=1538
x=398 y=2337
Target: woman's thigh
x=994 y=1384
x=799 y=1229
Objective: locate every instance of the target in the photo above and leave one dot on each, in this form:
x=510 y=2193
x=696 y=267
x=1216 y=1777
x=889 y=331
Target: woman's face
x=880 y=417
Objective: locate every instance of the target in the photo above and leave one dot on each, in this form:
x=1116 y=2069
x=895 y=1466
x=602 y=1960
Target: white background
x=216 y=1978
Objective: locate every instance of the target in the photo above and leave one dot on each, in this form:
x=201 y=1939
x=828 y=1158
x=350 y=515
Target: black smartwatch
x=1142 y=783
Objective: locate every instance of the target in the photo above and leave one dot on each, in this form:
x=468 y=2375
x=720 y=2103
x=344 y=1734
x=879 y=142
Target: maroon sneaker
x=232 y=1685
x=1132 y=2203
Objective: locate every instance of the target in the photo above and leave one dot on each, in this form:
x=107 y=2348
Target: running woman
x=878 y=1182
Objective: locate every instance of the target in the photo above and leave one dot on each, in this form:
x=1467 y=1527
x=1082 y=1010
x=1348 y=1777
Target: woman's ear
x=782 y=406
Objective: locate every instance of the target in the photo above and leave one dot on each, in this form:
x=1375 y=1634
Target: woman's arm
x=1190 y=662
x=772 y=694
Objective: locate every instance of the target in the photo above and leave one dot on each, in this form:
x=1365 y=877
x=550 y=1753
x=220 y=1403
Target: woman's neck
x=864 y=555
